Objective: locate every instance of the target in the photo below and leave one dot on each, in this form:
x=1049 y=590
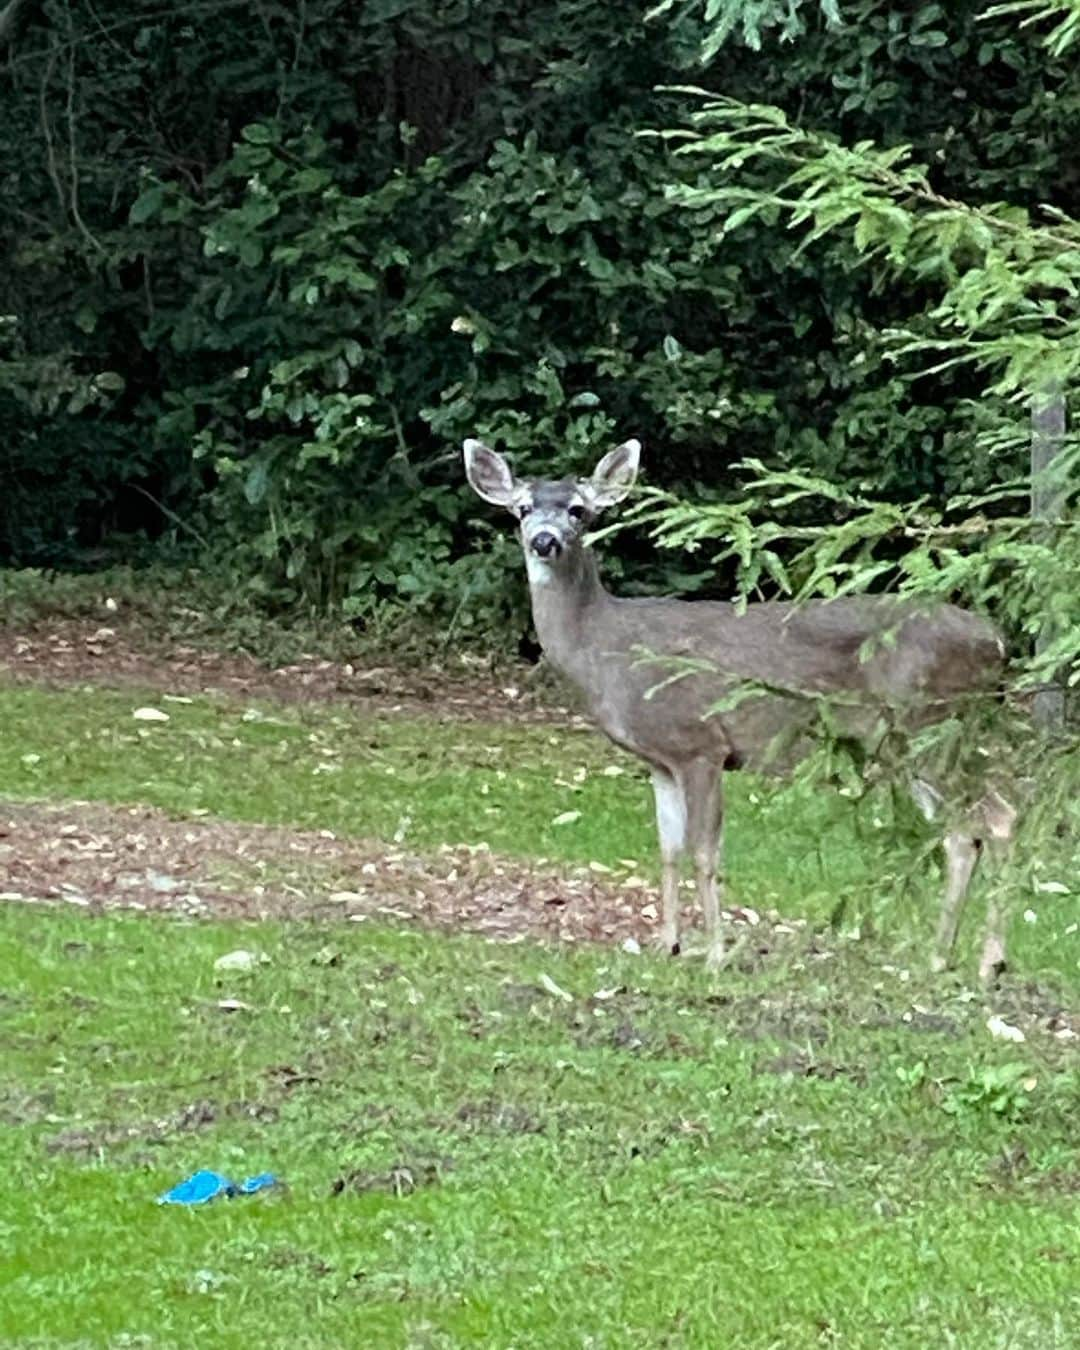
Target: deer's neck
x=568 y=601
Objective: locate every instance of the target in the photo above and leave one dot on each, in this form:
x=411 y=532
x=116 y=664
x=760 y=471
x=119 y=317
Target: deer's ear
x=613 y=477
x=488 y=474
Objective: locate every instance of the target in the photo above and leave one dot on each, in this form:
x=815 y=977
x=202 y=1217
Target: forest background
x=266 y=265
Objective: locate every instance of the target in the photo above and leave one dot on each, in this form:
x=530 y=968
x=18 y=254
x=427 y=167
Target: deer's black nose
x=545 y=544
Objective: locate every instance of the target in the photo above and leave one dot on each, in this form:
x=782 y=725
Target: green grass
x=667 y=1165
x=833 y=1150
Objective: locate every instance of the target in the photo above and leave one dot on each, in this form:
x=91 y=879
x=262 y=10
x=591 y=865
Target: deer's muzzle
x=545 y=544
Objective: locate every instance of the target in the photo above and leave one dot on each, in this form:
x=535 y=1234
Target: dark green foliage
x=269 y=264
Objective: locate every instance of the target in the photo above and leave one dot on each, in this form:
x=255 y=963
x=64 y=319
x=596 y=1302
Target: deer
x=872 y=653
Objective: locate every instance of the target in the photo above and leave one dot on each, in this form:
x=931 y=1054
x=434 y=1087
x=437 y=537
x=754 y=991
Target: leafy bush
x=278 y=308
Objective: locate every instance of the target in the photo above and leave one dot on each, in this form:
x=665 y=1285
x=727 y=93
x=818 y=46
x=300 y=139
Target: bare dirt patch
x=798 y=1065
x=497 y=1117
x=90 y=1141
x=401 y=1179
x=68 y=652
x=305 y=1263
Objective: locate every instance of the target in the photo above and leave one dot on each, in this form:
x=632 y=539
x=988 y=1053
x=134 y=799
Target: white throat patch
x=538 y=571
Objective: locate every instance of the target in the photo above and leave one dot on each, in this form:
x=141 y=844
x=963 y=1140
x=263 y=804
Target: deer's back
x=868 y=653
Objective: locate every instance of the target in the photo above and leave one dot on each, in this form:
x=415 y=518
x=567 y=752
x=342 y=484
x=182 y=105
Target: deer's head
x=553 y=514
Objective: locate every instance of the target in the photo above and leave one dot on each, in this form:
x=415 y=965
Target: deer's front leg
x=671 y=827
x=702 y=787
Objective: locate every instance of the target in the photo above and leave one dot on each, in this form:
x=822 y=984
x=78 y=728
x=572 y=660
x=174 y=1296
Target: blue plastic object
x=203 y=1186
x=260 y=1183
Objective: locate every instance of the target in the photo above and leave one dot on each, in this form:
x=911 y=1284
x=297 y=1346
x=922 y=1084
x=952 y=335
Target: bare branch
x=46 y=131
x=73 y=156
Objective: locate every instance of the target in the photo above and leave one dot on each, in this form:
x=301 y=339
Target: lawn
x=513 y=1144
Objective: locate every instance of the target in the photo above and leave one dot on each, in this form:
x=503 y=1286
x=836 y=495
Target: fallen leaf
x=1004 y=1031
x=150 y=715
x=162 y=883
x=237 y=961
x=556 y=990
x=566 y=818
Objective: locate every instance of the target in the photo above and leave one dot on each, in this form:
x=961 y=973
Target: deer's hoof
x=938 y=965
x=666 y=943
x=993 y=965
x=991 y=972
x=719 y=957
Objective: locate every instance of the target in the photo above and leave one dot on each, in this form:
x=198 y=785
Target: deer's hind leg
x=988 y=830
x=998 y=824
x=961 y=856
x=671 y=827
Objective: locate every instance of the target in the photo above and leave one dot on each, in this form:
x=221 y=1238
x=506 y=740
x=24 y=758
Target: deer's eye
x=575 y=512
x=523 y=512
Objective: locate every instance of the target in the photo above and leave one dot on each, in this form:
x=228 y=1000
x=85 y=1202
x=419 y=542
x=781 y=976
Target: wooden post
x=1047 y=506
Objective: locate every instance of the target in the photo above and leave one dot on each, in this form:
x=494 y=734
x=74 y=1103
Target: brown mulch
x=105 y=857
x=120 y=654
